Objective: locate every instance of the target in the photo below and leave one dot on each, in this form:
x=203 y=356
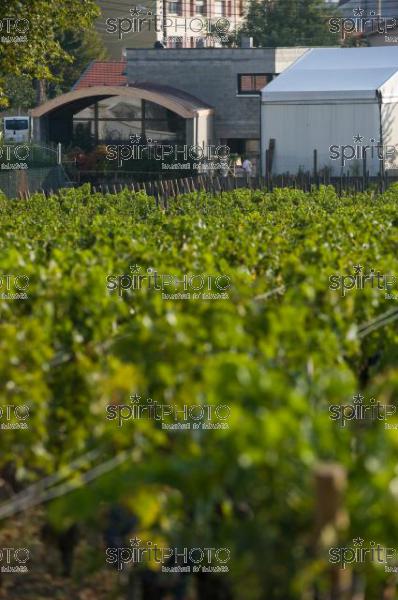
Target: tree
x=289 y=23
x=20 y=92
x=30 y=29
x=84 y=46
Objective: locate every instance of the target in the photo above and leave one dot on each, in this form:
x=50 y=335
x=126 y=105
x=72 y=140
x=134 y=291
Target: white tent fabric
x=340 y=74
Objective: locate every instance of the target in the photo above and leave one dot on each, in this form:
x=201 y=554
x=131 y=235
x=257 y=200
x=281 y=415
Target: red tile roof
x=102 y=72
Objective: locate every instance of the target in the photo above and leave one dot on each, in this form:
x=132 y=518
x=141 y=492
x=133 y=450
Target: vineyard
x=250 y=318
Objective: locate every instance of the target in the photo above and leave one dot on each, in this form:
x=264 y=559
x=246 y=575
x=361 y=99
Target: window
x=200 y=7
x=16 y=124
x=219 y=8
x=235 y=145
x=175 y=42
x=252 y=83
x=175 y=7
x=146 y=120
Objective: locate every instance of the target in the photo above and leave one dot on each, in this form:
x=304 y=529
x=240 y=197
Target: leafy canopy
x=289 y=23
x=42 y=51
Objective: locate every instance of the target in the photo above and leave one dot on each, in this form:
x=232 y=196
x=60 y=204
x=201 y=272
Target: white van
x=16 y=129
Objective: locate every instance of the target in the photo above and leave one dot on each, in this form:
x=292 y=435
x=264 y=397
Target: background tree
x=84 y=46
x=289 y=23
x=20 y=92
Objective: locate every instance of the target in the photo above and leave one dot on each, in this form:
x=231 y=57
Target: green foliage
x=279 y=360
x=289 y=23
x=84 y=46
x=20 y=92
x=37 y=56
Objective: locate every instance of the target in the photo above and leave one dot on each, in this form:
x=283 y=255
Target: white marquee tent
x=335 y=101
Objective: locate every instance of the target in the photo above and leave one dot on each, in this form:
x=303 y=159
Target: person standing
x=247 y=169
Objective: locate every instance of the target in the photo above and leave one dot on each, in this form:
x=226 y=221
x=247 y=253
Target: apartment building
x=168 y=23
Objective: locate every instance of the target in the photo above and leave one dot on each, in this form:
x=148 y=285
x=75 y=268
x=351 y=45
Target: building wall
x=211 y=74
x=285 y=57
x=193 y=21
x=389 y=8
x=299 y=129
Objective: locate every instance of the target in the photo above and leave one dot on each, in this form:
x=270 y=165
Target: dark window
x=235 y=145
x=17 y=124
x=175 y=7
x=252 y=83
